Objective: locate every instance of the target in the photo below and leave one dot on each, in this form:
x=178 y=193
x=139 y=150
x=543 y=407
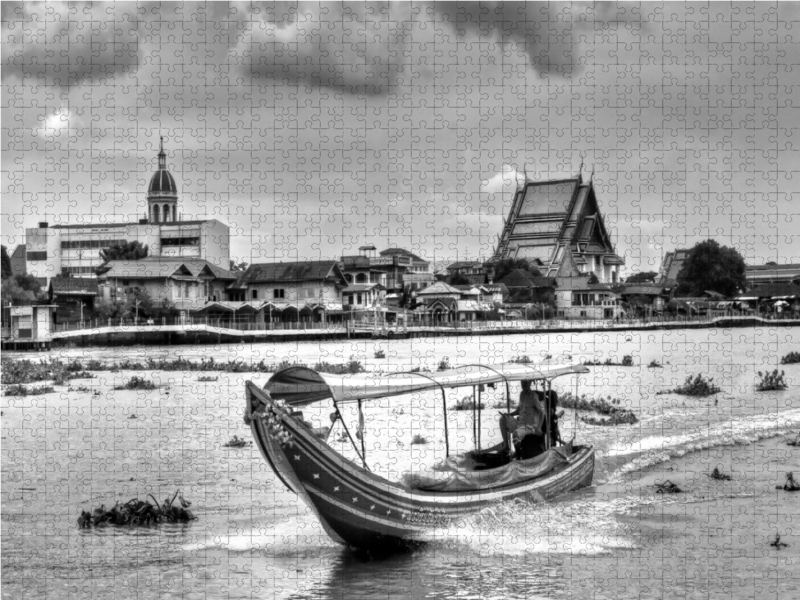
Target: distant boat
x=367 y=511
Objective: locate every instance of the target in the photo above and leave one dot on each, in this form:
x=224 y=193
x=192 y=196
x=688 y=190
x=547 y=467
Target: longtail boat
x=365 y=510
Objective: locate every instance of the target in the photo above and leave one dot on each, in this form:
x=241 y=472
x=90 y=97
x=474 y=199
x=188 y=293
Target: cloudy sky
x=313 y=128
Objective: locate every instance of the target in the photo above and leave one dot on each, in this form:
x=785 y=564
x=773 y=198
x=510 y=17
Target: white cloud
x=60 y=120
x=507 y=178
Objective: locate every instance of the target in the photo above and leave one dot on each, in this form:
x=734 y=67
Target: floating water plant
x=771 y=381
x=791 y=359
x=237 y=442
x=139 y=512
x=719 y=475
x=21 y=390
x=137 y=383
x=418 y=439
x=207 y=378
x=627 y=361
x=351 y=366
x=790 y=485
x=521 y=360
x=654 y=364
x=610 y=406
x=380 y=354
x=697 y=386
x=777 y=543
x=467 y=403
x=668 y=488
x=444 y=364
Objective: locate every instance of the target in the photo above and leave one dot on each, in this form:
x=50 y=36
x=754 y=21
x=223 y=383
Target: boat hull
x=364 y=510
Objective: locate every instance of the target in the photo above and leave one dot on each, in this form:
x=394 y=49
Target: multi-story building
x=771 y=273
x=74 y=250
x=557 y=225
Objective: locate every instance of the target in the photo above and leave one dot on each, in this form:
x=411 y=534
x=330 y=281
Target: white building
x=75 y=249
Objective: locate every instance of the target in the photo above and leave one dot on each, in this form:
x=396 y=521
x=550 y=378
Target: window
x=350 y=299
x=180 y=241
x=359 y=298
x=37 y=255
x=278 y=293
x=255 y=295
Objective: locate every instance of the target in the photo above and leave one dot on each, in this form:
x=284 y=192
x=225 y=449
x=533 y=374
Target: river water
x=68 y=451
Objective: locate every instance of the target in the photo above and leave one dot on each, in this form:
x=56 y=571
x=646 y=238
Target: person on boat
x=525 y=422
x=551 y=428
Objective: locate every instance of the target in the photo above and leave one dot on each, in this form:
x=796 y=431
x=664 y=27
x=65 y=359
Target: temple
x=558 y=227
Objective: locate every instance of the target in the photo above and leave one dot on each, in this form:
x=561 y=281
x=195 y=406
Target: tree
x=593 y=278
x=239 y=267
x=643 y=277
x=505 y=266
x=115 y=308
x=21 y=289
x=712 y=267
x=459 y=280
x=133 y=250
x=7 y=271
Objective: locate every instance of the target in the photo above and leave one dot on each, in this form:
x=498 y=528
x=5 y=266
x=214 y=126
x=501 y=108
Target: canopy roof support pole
x=478 y=446
x=548 y=385
x=347 y=431
x=446 y=435
x=362 y=432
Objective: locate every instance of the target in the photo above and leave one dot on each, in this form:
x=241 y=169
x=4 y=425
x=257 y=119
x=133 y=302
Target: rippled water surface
x=69 y=451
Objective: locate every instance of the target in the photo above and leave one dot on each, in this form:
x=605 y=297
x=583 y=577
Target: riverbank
x=169 y=335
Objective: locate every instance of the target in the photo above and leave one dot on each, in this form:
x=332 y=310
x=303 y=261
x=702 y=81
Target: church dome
x=162 y=183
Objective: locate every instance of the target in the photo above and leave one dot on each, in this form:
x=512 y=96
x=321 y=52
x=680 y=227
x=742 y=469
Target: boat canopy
x=299 y=386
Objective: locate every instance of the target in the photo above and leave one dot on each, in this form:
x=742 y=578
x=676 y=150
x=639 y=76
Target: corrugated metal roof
x=312 y=270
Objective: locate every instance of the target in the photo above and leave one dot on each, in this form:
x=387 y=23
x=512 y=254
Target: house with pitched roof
x=558 y=224
x=189 y=283
x=297 y=291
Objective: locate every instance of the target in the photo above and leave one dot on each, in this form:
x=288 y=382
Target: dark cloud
x=355 y=49
x=551 y=34
x=69 y=44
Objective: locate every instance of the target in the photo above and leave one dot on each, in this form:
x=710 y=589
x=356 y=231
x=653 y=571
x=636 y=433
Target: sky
x=313 y=128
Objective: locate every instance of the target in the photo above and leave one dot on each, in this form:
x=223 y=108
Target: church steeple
x=162 y=195
x=162 y=156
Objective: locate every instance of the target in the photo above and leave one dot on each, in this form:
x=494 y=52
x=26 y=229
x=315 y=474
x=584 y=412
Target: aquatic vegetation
x=137 y=383
x=207 y=378
x=790 y=485
x=605 y=406
x=21 y=390
x=468 y=403
x=139 y=512
x=444 y=364
x=627 y=361
x=521 y=360
x=351 y=366
x=777 y=543
x=794 y=442
x=81 y=389
x=380 y=354
x=667 y=488
x=620 y=418
x=418 y=439
x=719 y=475
x=697 y=386
x=771 y=381
x=791 y=358
x=237 y=442
x=654 y=364
x=28 y=371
